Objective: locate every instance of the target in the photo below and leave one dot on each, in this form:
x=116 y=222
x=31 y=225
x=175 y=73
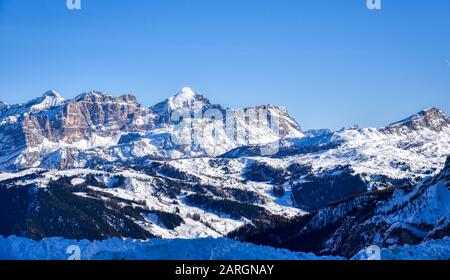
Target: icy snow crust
x=17 y=248
x=429 y=250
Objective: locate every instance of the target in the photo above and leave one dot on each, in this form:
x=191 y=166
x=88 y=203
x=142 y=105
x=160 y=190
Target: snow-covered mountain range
x=98 y=166
x=50 y=131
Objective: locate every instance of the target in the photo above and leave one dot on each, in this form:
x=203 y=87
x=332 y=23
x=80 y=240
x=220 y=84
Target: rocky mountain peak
x=93 y=96
x=91 y=117
x=432 y=118
x=187 y=98
x=104 y=98
x=52 y=94
x=48 y=100
x=187 y=92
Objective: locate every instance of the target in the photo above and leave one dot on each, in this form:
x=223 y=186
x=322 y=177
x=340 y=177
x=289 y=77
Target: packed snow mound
x=17 y=248
x=429 y=250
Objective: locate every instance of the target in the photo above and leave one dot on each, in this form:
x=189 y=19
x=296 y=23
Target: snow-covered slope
x=189 y=125
x=185 y=99
x=389 y=218
x=163 y=201
x=415 y=147
x=50 y=99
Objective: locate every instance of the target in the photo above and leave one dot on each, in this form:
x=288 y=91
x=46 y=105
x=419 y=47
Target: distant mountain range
x=50 y=131
x=98 y=166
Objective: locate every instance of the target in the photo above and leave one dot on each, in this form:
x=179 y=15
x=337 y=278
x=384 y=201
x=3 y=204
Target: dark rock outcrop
x=433 y=119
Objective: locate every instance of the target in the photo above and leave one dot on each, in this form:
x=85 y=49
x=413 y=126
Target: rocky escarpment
x=197 y=106
x=80 y=118
x=433 y=119
x=50 y=131
x=50 y=120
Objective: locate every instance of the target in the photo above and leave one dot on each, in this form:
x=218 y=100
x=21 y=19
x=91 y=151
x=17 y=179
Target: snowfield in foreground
x=17 y=248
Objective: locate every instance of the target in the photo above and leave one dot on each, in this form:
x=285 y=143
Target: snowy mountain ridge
x=432 y=118
x=50 y=125
x=417 y=146
x=187 y=168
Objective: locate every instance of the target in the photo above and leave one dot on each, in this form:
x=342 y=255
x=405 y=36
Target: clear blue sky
x=331 y=63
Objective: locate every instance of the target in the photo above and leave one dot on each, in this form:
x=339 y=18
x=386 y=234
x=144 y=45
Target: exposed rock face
x=189 y=101
x=48 y=100
x=288 y=127
x=83 y=116
x=433 y=119
x=10 y=113
x=50 y=122
x=189 y=125
x=360 y=184
x=39 y=130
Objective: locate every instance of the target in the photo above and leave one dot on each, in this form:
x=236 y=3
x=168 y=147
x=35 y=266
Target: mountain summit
x=99 y=166
x=48 y=100
x=50 y=131
x=432 y=118
x=185 y=100
x=50 y=126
